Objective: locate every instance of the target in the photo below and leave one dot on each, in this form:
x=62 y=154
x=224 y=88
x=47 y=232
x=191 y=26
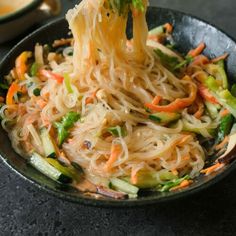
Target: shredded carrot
x=205 y=93
x=225 y=112
x=211 y=169
x=168 y=27
x=14 y=88
x=115 y=152
x=222 y=57
x=21 y=67
x=134 y=177
x=198 y=114
x=186 y=158
x=197 y=51
x=200 y=60
x=222 y=144
x=178 y=104
x=91 y=98
x=185 y=183
x=135 y=12
x=156 y=100
x=45 y=96
x=50 y=75
x=41 y=103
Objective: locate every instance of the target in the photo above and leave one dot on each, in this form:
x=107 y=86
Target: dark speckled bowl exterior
x=188 y=32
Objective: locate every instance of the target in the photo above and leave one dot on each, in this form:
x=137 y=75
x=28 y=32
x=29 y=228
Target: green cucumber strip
x=48 y=146
x=123 y=186
x=45 y=168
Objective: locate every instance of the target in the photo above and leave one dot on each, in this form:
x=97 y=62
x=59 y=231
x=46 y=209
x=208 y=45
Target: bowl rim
x=20 y=12
x=111 y=202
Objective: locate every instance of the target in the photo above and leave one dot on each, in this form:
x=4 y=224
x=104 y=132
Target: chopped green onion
x=187 y=60
x=123 y=6
x=168 y=61
x=66 y=123
x=170 y=184
x=67 y=80
x=117 y=131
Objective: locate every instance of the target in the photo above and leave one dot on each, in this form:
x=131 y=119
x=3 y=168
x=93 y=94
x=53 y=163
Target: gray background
x=24 y=210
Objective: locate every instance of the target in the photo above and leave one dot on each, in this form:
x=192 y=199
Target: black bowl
x=188 y=33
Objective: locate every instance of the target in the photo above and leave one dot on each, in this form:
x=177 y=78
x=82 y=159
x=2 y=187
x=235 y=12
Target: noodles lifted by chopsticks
x=120 y=108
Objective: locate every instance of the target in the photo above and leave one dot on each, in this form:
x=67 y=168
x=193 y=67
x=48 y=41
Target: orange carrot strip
x=205 y=93
x=222 y=57
x=197 y=51
x=211 y=169
x=225 y=112
x=41 y=103
x=135 y=12
x=21 y=67
x=186 y=158
x=178 y=104
x=198 y=114
x=222 y=144
x=115 y=152
x=156 y=100
x=200 y=60
x=134 y=177
x=14 y=88
x=91 y=98
x=168 y=27
x=50 y=75
x=185 y=183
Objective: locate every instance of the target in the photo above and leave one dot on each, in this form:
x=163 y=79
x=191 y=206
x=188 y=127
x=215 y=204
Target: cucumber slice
x=45 y=168
x=48 y=145
x=123 y=186
x=212 y=109
x=157 y=30
x=66 y=170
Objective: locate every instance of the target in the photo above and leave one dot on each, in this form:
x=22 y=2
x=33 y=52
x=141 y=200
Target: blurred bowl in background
x=18 y=16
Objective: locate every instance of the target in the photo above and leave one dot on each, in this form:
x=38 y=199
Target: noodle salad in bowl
x=111 y=115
